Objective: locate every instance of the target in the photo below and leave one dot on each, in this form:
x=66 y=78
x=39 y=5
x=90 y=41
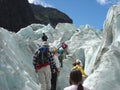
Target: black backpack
x=41 y=56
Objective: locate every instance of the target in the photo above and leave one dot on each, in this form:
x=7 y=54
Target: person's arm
x=82 y=71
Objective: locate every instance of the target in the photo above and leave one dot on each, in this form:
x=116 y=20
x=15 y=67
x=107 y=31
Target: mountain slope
x=49 y=15
x=17 y=14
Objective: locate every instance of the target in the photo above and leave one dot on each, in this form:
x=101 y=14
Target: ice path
x=63 y=81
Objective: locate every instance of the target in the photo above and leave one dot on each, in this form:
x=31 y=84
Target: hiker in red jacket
x=65 y=47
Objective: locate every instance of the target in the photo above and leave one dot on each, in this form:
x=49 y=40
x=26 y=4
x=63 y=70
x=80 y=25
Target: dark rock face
x=49 y=15
x=16 y=14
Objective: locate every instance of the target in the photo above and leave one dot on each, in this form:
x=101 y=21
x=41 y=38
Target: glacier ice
x=105 y=74
x=17 y=50
x=15 y=62
x=98 y=50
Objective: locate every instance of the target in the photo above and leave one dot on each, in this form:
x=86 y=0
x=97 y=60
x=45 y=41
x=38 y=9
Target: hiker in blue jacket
x=42 y=66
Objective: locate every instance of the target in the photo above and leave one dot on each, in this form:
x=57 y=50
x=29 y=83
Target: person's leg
x=48 y=77
x=54 y=81
x=65 y=52
x=41 y=78
x=61 y=59
x=61 y=62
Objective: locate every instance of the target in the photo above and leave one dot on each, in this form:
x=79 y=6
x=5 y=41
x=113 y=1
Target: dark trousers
x=54 y=81
x=61 y=59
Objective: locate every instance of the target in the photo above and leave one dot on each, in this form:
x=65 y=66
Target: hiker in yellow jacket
x=77 y=65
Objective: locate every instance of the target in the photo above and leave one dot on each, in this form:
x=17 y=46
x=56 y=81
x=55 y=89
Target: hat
x=45 y=43
x=78 y=61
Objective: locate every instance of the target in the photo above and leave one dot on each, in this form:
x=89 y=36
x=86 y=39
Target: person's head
x=78 y=61
x=76 y=78
x=43 y=33
x=54 y=50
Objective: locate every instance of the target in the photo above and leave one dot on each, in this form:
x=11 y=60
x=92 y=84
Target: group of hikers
x=47 y=63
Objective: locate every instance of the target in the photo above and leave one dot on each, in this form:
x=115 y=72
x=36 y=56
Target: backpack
x=41 y=56
x=64 y=46
x=60 y=50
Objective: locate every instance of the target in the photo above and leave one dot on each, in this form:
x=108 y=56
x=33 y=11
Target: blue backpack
x=41 y=56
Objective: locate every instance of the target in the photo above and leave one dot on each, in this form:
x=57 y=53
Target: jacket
x=81 y=70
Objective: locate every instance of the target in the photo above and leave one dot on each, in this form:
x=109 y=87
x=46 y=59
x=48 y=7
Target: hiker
x=42 y=66
x=60 y=52
x=44 y=37
x=56 y=70
x=77 y=65
x=65 y=47
x=75 y=81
